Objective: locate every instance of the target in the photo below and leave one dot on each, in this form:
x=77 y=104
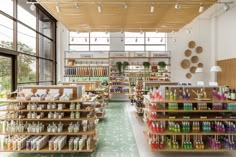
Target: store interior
x=117 y=78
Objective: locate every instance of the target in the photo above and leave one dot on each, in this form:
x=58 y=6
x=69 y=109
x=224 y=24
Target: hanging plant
x=125 y=64
x=146 y=65
x=162 y=65
x=118 y=66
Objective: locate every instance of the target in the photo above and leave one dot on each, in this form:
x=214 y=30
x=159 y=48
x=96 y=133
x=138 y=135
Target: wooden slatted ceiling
x=114 y=17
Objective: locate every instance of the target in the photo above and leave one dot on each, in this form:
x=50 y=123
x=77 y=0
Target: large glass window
x=25 y=14
x=33 y=38
x=26 y=40
x=5 y=75
x=6 y=32
x=7 y=7
x=94 y=41
x=26 y=69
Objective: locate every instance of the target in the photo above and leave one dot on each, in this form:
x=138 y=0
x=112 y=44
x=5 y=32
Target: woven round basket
x=194 y=59
x=188 y=53
x=193 y=69
x=199 y=49
x=200 y=65
x=185 y=64
x=188 y=75
x=191 y=44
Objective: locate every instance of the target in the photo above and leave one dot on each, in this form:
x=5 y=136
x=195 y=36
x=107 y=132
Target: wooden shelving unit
x=19 y=112
x=190 y=130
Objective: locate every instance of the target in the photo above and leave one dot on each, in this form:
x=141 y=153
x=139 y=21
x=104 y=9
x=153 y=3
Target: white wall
x=200 y=33
x=226 y=35
x=62 y=45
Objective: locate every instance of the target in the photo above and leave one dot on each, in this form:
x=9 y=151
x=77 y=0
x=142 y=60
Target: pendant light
x=216 y=68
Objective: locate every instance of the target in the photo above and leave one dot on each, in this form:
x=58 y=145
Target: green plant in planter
x=162 y=65
x=146 y=65
x=125 y=64
x=118 y=66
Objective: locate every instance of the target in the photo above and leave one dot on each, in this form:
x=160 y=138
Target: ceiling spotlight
x=99 y=8
x=174 y=40
x=32 y=7
x=161 y=40
x=58 y=8
x=177 y=6
x=125 y=6
x=188 y=31
x=226 y=7
x=76 y=6
x=152 y=8
x=201 y=8
x=95 y=39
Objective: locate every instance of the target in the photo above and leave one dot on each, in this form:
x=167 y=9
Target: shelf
x=193 y=119
x=118 y=81
x=119 y=85
x=187 y=101
x=119 y=93
x=46 y=101
x=191 y=150
x=47 y=110
x=46 y=150
x=51 y=133
x=47 y=119
x=191 y=133
x=139 y=57
x=187 y=111
x=85 y=58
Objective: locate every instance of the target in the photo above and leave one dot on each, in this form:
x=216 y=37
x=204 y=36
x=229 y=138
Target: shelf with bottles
x=40 y=114
x=191 y=143
x=48 y=144
x=181 y=112
x=87 y=71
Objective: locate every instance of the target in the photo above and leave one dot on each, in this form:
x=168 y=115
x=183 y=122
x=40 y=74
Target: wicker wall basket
x=185 y=64
x=188 y=75
x=199 y=49
x=191 y=44
x=200 y=65
x=188 y=53
x=194 y=59
x=193 y=69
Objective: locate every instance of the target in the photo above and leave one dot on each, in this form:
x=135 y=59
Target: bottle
x=167 y=93
x=229 y=95
x=233 y=95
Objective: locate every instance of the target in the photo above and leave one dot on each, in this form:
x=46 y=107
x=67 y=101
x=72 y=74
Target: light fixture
x=199 y=70
x=125 y=6
x=136 y=40
x=216 y=68
x=121 y=39
x=58 y=8
x=188 y=31
x=226 y=7
x=99 y=8
x=95 y=39
x=76 y=6
x=72 y=39
x=201 y=8
x=174 y=40
x=32 y=7
x=177 y=6
x=148 y=39
x=152 y=8
x=161 y=40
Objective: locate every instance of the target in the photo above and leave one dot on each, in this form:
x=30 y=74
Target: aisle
x=116 y=137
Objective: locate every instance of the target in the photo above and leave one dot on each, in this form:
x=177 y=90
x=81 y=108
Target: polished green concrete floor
x=115 y=138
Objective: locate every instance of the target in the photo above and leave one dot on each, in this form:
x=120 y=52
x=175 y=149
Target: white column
x=213 y=46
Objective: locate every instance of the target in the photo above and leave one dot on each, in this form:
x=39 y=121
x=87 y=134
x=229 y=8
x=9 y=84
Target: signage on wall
x=118 y=54
x=140 y=54
x=86 y=56
x=159 y=54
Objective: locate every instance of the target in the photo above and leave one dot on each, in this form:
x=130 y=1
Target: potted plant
x=146 y=65
x=162 y=65
x=125 y=64
x=118 y=66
